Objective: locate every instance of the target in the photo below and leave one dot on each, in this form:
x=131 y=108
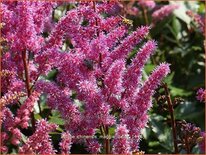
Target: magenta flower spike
x=76 y=64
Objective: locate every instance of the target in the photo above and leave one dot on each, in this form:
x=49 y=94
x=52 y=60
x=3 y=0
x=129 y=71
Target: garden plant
x=111 y=77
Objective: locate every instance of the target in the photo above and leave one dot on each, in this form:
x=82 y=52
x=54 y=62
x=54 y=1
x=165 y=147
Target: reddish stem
x=187 y=145
x=171 y=111
x=27 y=82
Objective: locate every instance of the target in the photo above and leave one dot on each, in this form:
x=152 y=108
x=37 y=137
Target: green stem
x=145 y=16
x=107 y=141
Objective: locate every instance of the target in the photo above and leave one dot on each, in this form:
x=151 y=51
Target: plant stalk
x=171 y=111
x=27 y=82
x=107 y=141
x=145 y=16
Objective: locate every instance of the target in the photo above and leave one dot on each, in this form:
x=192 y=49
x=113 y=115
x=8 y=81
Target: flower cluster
x=121 y=141
x=40 y=141
x=88 y=53
x=65 y=144
x=148 y=4
x=163 y=12
x=198 y=19
x=201 y=95
x=188 y=136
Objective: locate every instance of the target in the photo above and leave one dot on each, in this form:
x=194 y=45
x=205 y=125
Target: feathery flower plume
x=121 y=140
x=24 y=112
x=129 y=43
x=163 y=12
x=65 y=143
x=133 y=75
x=135 y=117
x=40 y=141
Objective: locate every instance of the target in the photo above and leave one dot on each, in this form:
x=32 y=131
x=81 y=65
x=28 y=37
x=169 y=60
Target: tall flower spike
x=94 y=103
x=66 y=142
x=88 y=90
x=113 y=78
x=7 y=119
x=135 y=117
x=152 y=83
x=114 y=36
x=133 y=74
x=121 y=142
x=58 y=99
x=43 y=14
x=93 y=146
x=129 y=43
x=39 y=142
x=23 y=113
x=25 y=36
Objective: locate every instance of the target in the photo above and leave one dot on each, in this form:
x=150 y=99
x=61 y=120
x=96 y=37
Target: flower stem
x=171 y=111
x=145 y=16
x=27 y=82
x=107 y=141
x=187 y=145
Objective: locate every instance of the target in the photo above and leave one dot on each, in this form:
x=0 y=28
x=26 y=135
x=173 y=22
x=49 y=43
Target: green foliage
x=181 y=44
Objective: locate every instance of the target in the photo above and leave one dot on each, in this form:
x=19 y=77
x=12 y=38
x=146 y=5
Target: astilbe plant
x=94 y=68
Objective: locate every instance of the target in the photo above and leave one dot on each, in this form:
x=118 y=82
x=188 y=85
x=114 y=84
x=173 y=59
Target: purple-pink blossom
x=200 y=95
x=150 y=4
x=65 y=143
x=163 y=12
x=40 y=141
x=121 y=142
x=86 y=52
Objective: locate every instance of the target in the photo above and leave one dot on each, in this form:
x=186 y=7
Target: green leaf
x=190 y=112
x=60 y=129
x=146 y=133
x=52 y=74
x=169 y=78
x=176 y=25
x=162 y=131
x=56 y=120
x=149 y=68
x=37 y=116
x=175 y=91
